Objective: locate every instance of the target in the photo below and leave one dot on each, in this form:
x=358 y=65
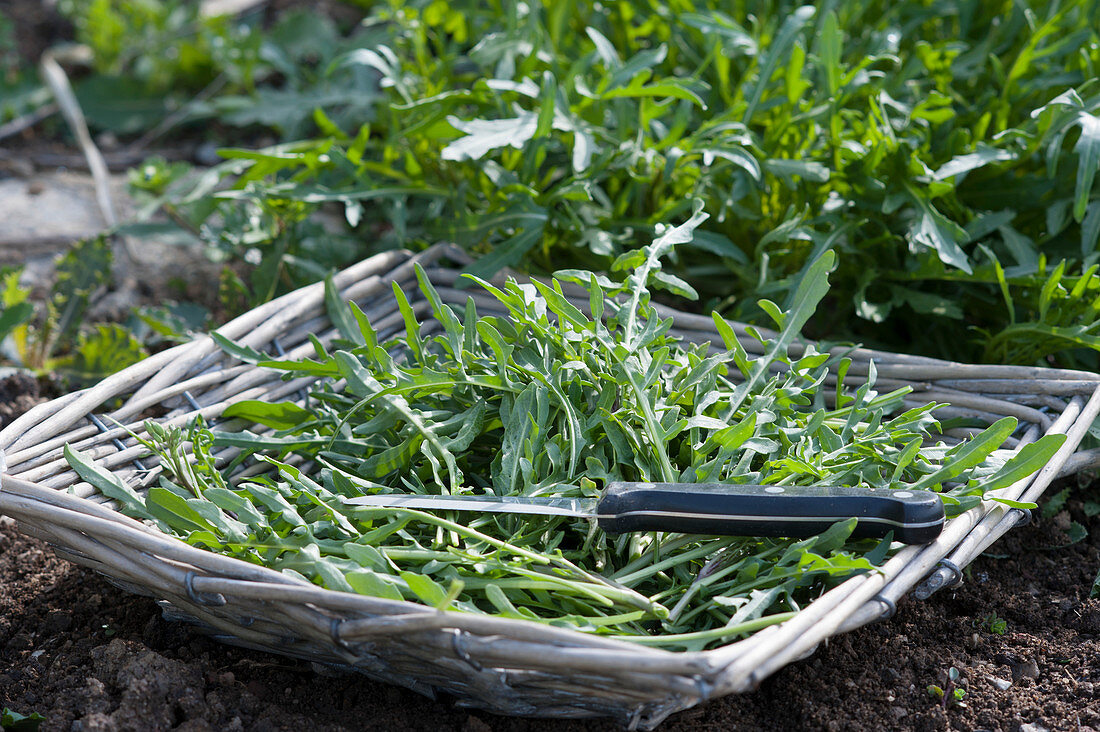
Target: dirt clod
x=1033 y=727
x=18 y=393
x=1027 y=669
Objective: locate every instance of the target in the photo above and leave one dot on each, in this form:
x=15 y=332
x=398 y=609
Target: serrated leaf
x=666 y=88
x=814 y=286
x=777 y=50
x=341 y=316
x=932 y=229
x=1029 y=459
x=778 y=316
x=429 y=591
x=806 y=169
x=13 y=316
x=981 y=157
x=971 y=453
x=280 y=415
x=175 y=512
x=374 y=584
x=244 y=353
x=106 y=483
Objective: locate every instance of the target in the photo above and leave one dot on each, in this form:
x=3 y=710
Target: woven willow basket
x=505 y=666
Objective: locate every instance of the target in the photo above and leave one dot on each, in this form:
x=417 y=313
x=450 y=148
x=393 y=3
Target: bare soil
x=19 y=392
x=89 y=657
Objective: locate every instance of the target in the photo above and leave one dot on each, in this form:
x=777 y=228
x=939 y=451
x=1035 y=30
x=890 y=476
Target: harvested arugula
x=547 y=399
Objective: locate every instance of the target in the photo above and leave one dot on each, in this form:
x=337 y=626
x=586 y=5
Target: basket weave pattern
x=505 y=666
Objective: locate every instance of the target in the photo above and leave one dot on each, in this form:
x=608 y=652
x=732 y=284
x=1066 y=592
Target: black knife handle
x=915 y=517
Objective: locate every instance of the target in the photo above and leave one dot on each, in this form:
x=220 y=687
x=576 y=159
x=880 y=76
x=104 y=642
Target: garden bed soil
x=90 y=657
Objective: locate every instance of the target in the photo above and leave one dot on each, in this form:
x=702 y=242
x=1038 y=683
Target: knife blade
x=915 y=517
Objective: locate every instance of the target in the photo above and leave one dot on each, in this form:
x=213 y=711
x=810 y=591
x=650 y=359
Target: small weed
x=15 y=722
x=1053 y=505
x=950 y=694
x=57 y=340
x=995 y=624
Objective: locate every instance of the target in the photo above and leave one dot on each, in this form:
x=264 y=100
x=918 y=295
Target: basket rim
x=735 y=665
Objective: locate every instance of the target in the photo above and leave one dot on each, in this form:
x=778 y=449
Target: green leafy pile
x=546 y=399
x=947 y=152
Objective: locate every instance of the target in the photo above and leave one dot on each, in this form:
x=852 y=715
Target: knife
x=915 y=517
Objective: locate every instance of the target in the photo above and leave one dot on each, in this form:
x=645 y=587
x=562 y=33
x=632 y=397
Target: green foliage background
x=946 y=151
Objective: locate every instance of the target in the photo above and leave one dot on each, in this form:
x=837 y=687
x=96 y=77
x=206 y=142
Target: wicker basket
x=505 y=666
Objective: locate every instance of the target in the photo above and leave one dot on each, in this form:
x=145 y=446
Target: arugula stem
x=728 y=631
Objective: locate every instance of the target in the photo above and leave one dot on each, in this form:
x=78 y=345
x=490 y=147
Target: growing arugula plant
x=15 y=308
x=56 y=339
x=170 y=58
x=543 y=397
x=932 y=146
